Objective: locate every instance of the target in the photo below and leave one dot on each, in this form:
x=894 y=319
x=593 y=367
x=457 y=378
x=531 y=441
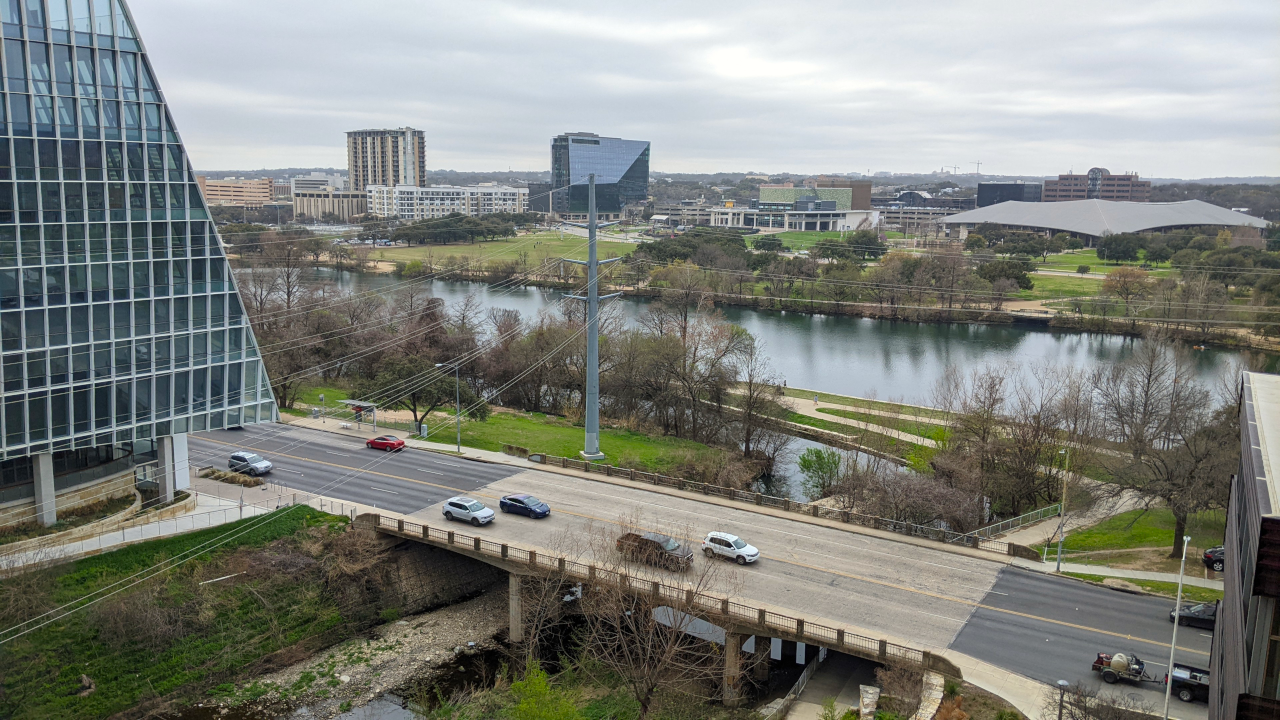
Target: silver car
x=464 y=508
x=249 y=463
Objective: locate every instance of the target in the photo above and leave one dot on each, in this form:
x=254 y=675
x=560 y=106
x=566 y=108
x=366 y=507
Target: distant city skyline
x=1164 y=89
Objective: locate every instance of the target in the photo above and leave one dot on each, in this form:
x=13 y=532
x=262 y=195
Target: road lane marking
x=441 y=462
x=337 y=453
x=851 y=576
x=433 y=472
x=295 y=472
x=393 y=492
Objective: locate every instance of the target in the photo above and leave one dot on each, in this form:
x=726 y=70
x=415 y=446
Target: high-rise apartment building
x=121 y=329
x=621 y=168
x=386 y=157
x=1097 y=184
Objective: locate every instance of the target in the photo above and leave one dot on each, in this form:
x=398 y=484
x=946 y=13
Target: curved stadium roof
x=1097 y=218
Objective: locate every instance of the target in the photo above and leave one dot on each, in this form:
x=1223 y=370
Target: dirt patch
x=404 y=655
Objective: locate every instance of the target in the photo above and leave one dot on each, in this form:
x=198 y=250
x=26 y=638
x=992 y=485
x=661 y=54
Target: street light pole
x=457 y=396
x=1062 y=693
x=1062 y=507
x=1177 y=620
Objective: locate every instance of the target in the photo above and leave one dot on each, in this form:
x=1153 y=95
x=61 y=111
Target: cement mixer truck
x=1122 y=666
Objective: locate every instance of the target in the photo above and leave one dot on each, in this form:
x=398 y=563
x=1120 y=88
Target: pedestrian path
x=839 y=677
x=1104 y=571
x=810 y=408
x=210 y=511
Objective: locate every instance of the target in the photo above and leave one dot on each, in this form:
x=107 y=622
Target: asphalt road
x=342 y=467
x=1039 y=626
x=1050 y=628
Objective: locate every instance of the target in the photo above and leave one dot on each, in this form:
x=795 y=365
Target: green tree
x=975 y=242
x=537 y=699
x=821 y=468
x=767 y=243
x=1120 y=248
x=413 y=383
x=1013 y=270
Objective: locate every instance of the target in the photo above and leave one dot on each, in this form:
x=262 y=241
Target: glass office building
x=621 y=168
x=120 y=324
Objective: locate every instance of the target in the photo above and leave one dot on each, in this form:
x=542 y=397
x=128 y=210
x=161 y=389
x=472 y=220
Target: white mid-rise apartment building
x=410 y=202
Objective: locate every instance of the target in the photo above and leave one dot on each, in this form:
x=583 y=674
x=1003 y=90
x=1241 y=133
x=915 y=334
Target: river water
x=883 y=359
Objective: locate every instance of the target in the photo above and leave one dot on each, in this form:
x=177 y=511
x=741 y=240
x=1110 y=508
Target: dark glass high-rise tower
x=621 y=168
x=120 y=324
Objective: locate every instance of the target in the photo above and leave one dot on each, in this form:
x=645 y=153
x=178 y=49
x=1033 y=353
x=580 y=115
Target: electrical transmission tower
x=591 y=445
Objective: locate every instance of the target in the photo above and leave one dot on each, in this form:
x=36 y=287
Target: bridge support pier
x=733 y=668
x=516 y=607
x=760 y=659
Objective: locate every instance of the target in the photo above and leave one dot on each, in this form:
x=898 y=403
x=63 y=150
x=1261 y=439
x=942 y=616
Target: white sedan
x=731 y=547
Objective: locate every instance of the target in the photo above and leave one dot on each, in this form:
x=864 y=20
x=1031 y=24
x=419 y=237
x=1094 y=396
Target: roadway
x=1039 y=626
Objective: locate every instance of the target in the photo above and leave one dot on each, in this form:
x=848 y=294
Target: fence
x=787 y=504
x=1005 y=526
x=687 y=600
x=784 y=705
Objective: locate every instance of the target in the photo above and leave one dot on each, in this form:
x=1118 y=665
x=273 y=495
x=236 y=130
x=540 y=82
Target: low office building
x=238 y=192
x=1245 y=661
x=805 y=219
x=1097 y=184
x=318 y=204
x=409 y=202
x=685 y=212
x=317 y=181
x=1093 y=219
x=845 y=198
x=991 y=193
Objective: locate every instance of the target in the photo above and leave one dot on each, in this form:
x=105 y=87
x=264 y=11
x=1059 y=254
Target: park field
x=539 y=246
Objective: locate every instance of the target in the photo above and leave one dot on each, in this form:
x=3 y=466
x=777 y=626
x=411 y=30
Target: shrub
x=1083 y=269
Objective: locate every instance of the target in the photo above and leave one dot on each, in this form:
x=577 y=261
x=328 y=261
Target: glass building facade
x=120 y=321
x=621 y=168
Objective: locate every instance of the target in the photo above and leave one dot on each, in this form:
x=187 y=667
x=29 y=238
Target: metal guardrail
x=680 y=598
x=780 y=503
x=794 y=693
x=1005 y=526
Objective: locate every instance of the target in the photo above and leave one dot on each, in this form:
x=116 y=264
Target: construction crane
x=978 y=168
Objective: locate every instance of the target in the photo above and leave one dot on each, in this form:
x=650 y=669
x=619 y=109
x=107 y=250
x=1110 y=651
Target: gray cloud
x=1167 y=89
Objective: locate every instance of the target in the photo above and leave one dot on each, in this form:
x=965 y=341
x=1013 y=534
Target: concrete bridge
x=740 y=621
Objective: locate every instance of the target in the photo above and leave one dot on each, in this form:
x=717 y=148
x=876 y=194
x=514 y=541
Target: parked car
x=385 y=442
x=721 y=544
x=1204 y=615
x=1215 y=558
x=655 y=549
x=1190 y=683
x=522 y=504
x=464 y=508
x=249 y=463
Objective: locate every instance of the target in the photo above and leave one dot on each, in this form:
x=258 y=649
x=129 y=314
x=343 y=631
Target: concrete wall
x=24 y=511
x=428 y=577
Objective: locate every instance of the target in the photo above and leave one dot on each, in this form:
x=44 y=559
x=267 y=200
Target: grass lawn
x=1049 y=287
x=332 y=394
x=936 y=433
x=555 y=436
x=238 y=622
x=539 y=247
x=1147 y=528
x=1167 y=589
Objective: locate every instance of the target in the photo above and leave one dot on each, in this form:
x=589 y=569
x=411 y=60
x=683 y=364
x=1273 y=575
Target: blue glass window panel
x=10 y=12
x=40 y=76
x=83 y=16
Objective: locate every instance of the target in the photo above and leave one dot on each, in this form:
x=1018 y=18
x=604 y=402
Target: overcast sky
x=1165 y=89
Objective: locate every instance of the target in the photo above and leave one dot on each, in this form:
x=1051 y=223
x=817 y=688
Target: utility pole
x=591 y=444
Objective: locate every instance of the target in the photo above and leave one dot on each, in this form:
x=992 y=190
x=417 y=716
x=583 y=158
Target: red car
x=385 y=442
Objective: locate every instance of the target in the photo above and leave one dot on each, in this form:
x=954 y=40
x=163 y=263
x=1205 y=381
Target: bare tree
x=1082 y=702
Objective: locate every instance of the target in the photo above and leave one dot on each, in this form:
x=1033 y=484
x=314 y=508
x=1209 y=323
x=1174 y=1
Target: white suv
x=732 y=547
x=464 y=508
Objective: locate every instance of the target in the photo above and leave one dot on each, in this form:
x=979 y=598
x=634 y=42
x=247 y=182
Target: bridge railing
x=678 y=597
x=927 y=532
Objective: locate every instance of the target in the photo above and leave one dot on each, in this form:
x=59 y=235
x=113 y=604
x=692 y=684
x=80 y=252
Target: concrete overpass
x=962 y=605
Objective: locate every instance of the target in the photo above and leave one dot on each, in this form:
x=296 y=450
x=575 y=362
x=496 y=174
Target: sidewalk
x=810 y=409
x=840 y=677
x=210 y=511
x=1103 y=570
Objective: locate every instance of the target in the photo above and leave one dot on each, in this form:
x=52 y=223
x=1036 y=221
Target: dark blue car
x=522 y=504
